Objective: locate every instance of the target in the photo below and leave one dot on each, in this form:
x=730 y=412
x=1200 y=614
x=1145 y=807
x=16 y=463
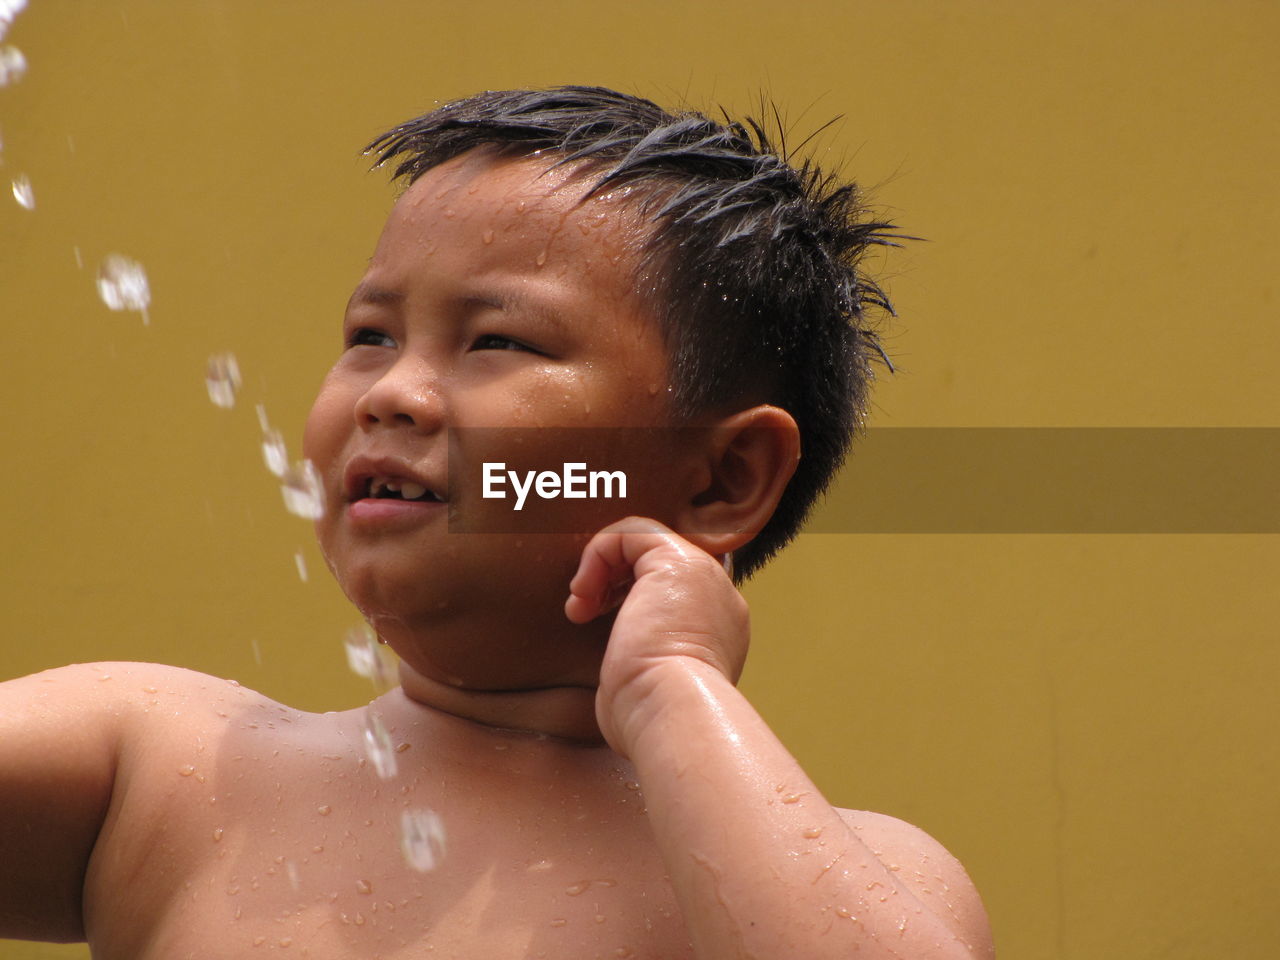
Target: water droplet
x=632 y=785
x=222 y=378
x=292 y=870
x=378 y=747
x=574 y=889
x=217 y=834
x=324 y=809
x=300 y=486
x=259 y=941
x=811 y=833
x=13 y=65
x=122 y=285
x=541 y=258
x=186 y=771
x=300 y=562
x=362 y=886
x=791 y=798
x=9 y=10
x=23 y=192
x=488 y=236
x=285 y=941
x=844 y=912
x=422 y=839
x=274 y=453
x=362 y=650
x=367 y=658
x=559 y=922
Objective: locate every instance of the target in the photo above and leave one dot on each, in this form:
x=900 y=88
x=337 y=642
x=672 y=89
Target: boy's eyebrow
x=368 y=293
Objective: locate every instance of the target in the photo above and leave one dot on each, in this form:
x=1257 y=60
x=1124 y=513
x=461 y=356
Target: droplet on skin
x=186 y=771
x=488 y=236
x=285 y=941
x=303 y=496
x=23 y=192
x=576 y=889
x=217 y=834
x=324 y=809
x=541 y=258
x=362 y=886
x=378 y=747
x=559 y=922
x=13 y=65
x=844 y=913
x=812 y=833
x=792 y=798
x=122 y=285
x=274 y=453
x=222 y=379
x=422 y=839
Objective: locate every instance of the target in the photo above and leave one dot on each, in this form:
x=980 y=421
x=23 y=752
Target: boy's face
x=493 y=300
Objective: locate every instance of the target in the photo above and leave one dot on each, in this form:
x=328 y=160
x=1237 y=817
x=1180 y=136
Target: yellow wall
x=1089 y=722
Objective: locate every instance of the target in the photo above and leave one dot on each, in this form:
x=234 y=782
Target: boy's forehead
x=481 y=182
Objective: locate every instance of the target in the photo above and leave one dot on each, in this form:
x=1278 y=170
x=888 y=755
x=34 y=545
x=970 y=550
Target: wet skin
x=605 y=788
x=495 y=298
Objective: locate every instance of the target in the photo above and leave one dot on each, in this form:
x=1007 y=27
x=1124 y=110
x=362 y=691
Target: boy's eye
x=368 y=337
x=494 y=341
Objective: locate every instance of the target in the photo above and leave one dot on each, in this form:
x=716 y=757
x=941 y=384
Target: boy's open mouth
x=387 y=488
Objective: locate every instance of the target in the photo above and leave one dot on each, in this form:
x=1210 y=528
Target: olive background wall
x=1088 y=721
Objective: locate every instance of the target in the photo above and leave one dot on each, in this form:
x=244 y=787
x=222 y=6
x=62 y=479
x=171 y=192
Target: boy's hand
x=679 y=612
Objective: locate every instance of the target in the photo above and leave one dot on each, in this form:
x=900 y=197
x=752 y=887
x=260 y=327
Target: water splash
x=23 y=193
x=222 y=377
x=13 y=65
x=9 y=10
x=422 y=839
x=366 y=658
x=122 y=285
x=274 y=453
x=378 y=747
x=302 y=492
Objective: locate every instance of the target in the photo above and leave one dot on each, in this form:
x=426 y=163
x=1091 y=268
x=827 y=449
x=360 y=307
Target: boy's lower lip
x=381 y=512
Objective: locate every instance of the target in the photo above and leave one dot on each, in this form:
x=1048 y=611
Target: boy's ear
x=740 y=470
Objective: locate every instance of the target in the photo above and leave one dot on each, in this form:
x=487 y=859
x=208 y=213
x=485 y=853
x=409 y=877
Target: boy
x=567 y=259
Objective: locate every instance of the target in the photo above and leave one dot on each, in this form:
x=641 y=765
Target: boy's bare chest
x=449 y=861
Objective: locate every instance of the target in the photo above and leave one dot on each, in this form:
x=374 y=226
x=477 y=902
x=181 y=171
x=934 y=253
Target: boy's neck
x=566 y=713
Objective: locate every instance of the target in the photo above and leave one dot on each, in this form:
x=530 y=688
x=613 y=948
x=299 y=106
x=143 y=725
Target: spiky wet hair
x=752 y=261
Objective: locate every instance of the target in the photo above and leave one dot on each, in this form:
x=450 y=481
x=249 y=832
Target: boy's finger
x=607 y=567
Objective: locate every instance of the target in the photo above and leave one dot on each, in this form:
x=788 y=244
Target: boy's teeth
x=412 y=491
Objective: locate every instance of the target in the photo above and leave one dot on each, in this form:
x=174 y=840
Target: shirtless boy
x=566 y=258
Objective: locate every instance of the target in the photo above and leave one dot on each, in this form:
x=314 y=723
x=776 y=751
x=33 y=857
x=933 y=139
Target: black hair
x=754 y=261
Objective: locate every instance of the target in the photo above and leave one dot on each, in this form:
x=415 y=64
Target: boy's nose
x=406 y=395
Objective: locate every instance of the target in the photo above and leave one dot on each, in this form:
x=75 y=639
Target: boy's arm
x=59 y=735
x=762 y=864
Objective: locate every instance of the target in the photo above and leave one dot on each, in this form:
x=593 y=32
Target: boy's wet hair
x=753 y=260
